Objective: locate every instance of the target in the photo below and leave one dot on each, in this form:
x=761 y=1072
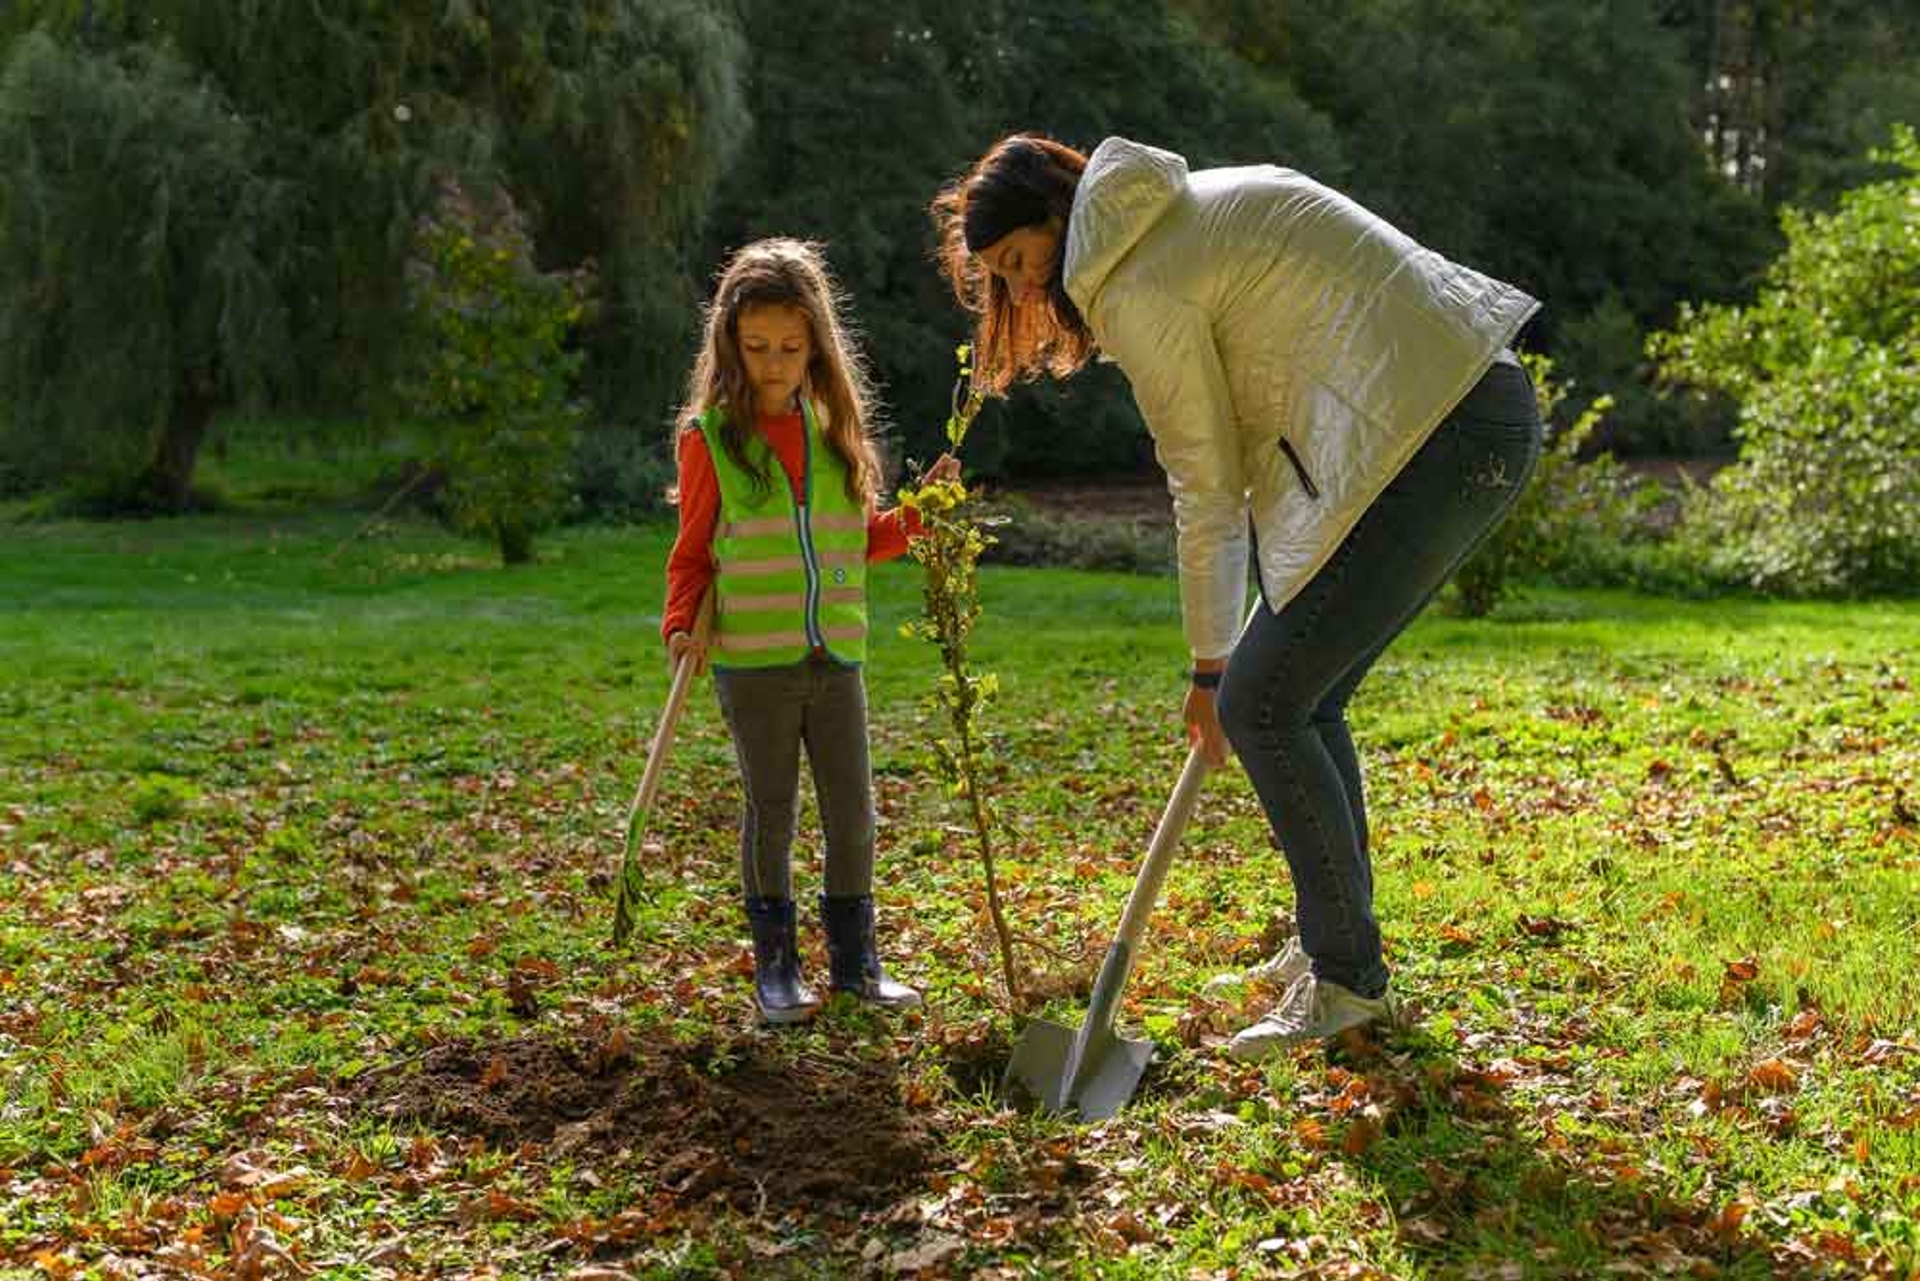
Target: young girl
x=778 y=510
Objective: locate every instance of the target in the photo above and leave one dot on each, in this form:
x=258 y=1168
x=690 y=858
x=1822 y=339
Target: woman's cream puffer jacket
x=1289 y=350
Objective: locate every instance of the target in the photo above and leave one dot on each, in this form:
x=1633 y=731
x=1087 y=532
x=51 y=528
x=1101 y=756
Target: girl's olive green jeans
x=773 y=712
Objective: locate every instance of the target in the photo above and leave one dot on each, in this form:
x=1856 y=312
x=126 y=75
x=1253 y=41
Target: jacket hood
x=1126 y=188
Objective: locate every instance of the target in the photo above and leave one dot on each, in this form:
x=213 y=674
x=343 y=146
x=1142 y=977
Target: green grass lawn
x=305 y=846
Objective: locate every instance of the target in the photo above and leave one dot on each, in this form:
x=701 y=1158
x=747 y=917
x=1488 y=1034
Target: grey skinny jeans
x=772 y=712
x=1283 y=700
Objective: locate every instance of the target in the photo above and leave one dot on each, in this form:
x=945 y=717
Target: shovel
x=631 y=887
x=1093 y=1069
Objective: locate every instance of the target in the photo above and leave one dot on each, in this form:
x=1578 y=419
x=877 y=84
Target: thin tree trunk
x=515 y=541
x=1716 y=121
x=168 y=483
x=969 y=771
x=1766 y=97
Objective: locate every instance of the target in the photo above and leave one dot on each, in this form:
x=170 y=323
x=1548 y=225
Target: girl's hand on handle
x=681 y=643
x=945 y=467
x=1203 y=726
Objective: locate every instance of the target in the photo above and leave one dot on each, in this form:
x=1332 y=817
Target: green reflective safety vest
x=792 y=576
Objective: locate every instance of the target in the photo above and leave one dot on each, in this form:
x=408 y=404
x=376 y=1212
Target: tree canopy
x=1614 y=160
x=144 y=247
x=608 y=120
x=1825 y=365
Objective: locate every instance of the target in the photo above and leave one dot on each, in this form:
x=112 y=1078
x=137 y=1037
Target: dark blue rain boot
x=855 y=964
x=782 y=997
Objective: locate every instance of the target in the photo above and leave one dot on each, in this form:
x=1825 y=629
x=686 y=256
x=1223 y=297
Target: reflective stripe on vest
x=795 y=600
x=797 y=564
x=792 y=576
x=758 y=526
x=759 y=641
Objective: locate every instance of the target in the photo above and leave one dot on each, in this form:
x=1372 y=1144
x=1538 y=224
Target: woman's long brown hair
x=1023 y=180
x=791 y=273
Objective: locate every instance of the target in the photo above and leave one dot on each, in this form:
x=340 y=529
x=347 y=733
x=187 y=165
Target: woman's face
x=776 y=342
x=1025 y=259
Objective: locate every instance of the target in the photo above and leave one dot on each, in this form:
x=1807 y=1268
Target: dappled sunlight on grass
x=306 y=843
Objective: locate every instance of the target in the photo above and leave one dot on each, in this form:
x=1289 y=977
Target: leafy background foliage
x=652 y=135
x=142 y=252
x=284 y=152
x=495 y=379
x=1825 y=365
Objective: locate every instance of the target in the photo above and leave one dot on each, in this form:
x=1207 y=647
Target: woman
x=1326 y=396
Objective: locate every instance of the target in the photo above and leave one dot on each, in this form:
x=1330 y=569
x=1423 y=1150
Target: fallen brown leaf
x=1542 y=927
x=1775 y=1076
x=1726 y=1224
x=1805 y=1025
x=931 y=1253
x=249 y=1172
x=1363 y=1131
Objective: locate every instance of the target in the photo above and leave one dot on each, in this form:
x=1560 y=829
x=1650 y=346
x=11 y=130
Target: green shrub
x=622 y=471
x=1825 y=365
x=1568 y=510
x=159 y=797
x=493 y=377
x=1607 y=347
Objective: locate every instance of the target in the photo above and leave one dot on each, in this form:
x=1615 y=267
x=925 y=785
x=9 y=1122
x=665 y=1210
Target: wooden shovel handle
x=1166 y=839
x=683 y=673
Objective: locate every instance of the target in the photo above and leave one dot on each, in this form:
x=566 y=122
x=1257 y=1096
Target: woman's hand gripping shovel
x=631 y=887
x=1094 y=1070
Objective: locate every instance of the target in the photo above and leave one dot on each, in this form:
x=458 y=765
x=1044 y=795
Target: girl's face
x=1025 y=258
x=776 y=342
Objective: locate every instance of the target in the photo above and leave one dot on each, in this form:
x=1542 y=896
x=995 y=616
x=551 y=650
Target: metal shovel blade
x=1090 y=1069
x=1093 y=1071
x=1098 y=1085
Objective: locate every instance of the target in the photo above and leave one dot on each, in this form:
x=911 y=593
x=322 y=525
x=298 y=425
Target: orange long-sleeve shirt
x=690 y=566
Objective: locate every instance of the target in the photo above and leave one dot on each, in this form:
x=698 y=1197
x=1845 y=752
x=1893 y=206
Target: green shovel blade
x=631 y=889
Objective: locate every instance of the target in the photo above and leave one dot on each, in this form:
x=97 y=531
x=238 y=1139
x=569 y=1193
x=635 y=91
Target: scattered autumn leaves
x=409 y=899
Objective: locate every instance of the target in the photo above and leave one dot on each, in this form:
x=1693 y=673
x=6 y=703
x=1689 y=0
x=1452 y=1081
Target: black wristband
x=1205 y=680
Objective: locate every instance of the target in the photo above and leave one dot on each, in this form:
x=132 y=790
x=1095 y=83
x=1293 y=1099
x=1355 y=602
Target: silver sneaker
x=1279 y=972
x=1312 y=1010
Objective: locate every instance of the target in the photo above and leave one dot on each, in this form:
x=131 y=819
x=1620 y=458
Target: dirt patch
x=1144 y=500
x=1675 y=473
x=975 y=1055
x=753 y=1122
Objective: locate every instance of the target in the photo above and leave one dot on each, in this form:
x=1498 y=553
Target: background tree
x=1825 y=365
x=493 y=375
x=860 y=115
x=652 y=135
x=608 y=120
x=1791 y=94
x=142 y=254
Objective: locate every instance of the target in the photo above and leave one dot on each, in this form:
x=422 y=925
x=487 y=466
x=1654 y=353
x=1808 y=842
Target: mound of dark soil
x=749 y=1121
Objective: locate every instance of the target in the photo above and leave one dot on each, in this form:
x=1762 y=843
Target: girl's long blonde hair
x=791 y=273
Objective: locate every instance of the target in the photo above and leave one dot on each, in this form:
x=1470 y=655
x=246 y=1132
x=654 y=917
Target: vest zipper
x=804 y=520
x=1299 y=469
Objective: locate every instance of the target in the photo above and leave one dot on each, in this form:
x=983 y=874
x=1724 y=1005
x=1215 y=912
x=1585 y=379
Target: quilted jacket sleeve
x=1166 y=348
